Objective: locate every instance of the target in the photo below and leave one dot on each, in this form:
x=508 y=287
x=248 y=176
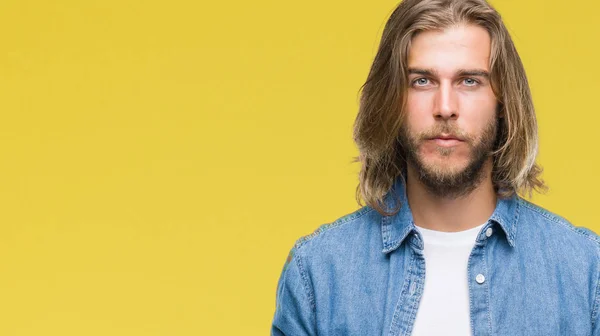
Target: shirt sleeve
x=294 y=311
x=595 y=309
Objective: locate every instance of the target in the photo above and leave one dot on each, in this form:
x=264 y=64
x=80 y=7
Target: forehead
x=451 y=49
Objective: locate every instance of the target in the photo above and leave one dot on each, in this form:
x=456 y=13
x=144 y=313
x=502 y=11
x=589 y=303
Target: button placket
x=479 y=289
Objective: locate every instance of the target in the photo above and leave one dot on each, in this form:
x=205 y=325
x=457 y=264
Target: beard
x=442 y=181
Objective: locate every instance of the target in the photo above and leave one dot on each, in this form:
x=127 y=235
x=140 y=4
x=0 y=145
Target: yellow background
x=159 y=159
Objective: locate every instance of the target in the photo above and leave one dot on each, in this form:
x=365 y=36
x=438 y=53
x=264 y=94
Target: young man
x=445 y=246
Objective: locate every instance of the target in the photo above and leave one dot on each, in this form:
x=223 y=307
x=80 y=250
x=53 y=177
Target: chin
x=445 y=167
x=450 y=162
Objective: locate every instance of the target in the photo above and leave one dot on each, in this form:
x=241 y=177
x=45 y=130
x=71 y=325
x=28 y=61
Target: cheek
x=419 y=107
x=477 y=112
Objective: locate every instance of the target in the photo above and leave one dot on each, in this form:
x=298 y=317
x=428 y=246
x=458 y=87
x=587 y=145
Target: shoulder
x=348 y=230
x=339 y=226
x=567 y=248
x=312 y=257
x=540 y=221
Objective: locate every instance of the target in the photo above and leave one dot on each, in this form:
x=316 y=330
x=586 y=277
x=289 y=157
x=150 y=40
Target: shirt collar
x=396 y=228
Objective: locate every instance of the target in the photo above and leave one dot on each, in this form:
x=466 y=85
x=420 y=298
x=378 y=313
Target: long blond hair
x=383 y=99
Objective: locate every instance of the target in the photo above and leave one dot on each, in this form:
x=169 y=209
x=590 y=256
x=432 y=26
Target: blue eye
x=470 y=81
x=421 y=81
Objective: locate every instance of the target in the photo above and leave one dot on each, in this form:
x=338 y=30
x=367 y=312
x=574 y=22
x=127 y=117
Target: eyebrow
x=461 y=72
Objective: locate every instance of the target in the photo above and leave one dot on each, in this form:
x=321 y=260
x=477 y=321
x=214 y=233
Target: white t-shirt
x=444 y=305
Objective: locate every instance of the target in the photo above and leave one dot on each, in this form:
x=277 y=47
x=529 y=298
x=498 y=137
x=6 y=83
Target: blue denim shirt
x=364 y=273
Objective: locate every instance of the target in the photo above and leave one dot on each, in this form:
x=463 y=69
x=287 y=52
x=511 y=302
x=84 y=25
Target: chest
x=495 y=295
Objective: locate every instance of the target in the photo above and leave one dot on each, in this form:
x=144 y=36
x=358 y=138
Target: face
x=451 y=120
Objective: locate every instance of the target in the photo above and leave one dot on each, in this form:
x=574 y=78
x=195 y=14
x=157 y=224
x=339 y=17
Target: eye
x=421 y=81
x=470 y=81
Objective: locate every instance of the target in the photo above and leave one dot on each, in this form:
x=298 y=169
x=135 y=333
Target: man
x=445 y=246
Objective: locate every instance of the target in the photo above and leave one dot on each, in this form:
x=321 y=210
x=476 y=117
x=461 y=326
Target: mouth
x=447 y=137
x=446 y=140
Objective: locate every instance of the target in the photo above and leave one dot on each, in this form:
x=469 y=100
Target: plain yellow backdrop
x=159 y=159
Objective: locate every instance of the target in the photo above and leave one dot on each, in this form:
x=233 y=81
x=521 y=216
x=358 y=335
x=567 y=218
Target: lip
x=446 y=142
x=447 y=136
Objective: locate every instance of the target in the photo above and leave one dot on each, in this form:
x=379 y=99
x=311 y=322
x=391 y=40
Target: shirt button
x=480 y=278
x=489 y=232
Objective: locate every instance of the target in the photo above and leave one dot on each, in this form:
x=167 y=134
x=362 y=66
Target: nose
x=446 y=106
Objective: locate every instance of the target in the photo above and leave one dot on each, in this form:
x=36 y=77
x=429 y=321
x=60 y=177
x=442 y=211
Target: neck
x=451 y=215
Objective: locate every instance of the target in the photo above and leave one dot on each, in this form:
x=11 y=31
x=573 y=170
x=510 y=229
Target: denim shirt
x=363 y=274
